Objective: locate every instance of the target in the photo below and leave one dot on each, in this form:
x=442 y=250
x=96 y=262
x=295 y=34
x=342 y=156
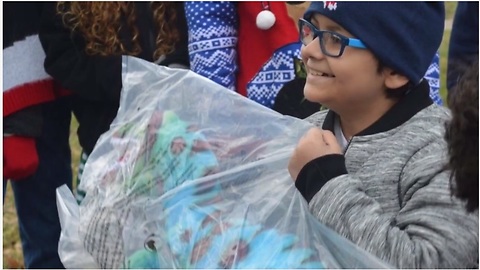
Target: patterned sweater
x=226 y=46
x=394 y=198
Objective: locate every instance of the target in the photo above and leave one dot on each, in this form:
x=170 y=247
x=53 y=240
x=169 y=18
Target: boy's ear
x=393 y=79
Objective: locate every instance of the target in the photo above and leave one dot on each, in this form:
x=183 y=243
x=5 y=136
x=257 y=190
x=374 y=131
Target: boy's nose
x=312 y=50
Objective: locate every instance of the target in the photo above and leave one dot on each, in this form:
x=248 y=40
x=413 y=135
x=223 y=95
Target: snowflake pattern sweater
x=226 y=46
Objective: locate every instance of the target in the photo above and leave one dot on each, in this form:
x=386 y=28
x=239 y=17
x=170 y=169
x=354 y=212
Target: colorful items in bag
x=191 y=223
x=174 y=153
x=197 y=237
x=193 y=227
x=144 y=161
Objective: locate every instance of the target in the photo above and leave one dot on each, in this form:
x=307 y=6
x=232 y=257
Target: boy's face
x=348 y=82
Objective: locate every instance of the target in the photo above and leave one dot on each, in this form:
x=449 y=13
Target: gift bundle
x=193 y=175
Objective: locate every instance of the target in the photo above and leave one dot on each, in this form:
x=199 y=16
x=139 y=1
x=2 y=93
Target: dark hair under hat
x=403 y=35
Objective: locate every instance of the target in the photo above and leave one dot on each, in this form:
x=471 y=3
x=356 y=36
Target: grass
x=450 y=9
x=443 y=65
x=12 y=250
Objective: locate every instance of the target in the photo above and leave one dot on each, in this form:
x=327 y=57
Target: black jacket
x=96 y=80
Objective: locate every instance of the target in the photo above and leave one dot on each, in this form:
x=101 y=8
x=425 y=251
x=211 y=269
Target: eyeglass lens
x=331 y=44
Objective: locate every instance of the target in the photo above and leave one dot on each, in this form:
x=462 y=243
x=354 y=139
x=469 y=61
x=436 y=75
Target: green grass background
x=12 y=250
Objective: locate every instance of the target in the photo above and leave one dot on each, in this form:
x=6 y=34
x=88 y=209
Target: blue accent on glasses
x=332 y=43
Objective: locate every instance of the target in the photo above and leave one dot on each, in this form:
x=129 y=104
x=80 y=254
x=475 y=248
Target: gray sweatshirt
x=390 y=193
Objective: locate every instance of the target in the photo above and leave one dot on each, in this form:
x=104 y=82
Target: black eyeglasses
x=331 y=43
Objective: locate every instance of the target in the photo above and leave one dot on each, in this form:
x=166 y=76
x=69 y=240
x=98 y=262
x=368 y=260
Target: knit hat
x=403 y=35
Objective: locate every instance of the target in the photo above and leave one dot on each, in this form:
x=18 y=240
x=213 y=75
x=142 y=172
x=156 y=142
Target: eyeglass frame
x=345 y=41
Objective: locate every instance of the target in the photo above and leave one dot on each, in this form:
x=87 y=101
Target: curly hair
x=100 y=23
x=462 y=138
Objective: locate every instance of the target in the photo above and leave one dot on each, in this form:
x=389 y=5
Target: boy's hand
x=316 y=143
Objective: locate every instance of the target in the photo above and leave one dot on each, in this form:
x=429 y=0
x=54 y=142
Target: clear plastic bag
x=192 y=175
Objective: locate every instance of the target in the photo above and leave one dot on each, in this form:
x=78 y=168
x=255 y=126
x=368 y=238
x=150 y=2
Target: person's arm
x=91 y=77
x=431 y=230
x=212 y=39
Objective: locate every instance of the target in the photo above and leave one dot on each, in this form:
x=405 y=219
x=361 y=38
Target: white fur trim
x=23 y=63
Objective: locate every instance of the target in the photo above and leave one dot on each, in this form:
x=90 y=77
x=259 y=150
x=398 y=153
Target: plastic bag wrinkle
x=193 y=175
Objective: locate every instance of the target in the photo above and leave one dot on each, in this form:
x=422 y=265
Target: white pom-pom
x=265 y=19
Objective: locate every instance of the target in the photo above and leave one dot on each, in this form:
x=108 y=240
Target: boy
x=375 y=171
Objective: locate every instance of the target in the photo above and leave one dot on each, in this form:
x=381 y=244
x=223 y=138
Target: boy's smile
x=318 y=78
x=313 y=72
x=350 y=82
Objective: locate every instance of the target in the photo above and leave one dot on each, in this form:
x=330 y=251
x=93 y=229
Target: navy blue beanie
x=403 y=35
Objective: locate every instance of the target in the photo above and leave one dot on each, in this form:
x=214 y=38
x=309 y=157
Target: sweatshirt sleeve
x=92 y=77
x=212 y=40
x=431 y=230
